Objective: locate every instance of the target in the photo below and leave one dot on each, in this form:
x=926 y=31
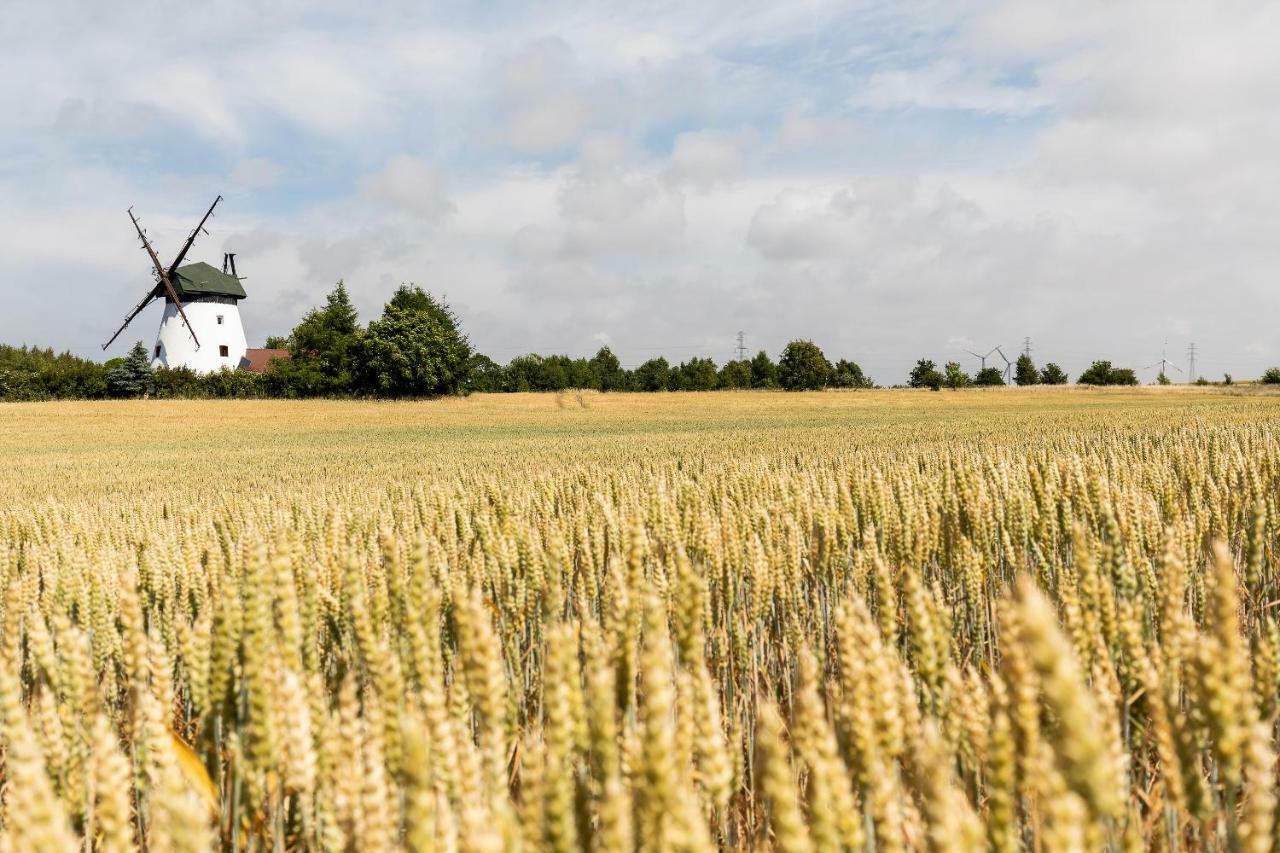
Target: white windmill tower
x=201 y=326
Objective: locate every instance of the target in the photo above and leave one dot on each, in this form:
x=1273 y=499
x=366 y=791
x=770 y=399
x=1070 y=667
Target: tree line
x=416 y=348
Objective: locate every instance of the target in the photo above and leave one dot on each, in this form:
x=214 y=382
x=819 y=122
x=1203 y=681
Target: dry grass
x=1016 y=619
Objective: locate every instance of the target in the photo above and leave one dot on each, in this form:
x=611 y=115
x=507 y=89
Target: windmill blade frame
x=191 y=238
x=146 y=300
x=163 y=275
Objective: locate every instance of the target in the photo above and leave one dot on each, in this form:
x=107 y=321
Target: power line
x=742 y=348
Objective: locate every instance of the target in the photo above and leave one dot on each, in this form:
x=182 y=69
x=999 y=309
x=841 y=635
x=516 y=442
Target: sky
x=893 y=180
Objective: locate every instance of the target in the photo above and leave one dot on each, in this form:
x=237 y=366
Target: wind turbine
x=1164 y=363
x=1008 y=366
x=981 y=358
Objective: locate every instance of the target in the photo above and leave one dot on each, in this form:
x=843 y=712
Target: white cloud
x=409 y=185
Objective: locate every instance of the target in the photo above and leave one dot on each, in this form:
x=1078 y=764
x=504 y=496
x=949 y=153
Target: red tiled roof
x=258 y=360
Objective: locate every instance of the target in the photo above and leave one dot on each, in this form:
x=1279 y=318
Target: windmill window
x=157 y=350
x=219 y=319
x=223 y=351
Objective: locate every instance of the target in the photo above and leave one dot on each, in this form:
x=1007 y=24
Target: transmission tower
x=1191 y=358
x=742 y=347
x=1026 y=346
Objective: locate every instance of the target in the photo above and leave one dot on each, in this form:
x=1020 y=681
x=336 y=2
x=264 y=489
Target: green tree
x=696 y=374
x=1024 y=371
x=764 y=373
x=848 y=374
x=609 y=369
x=953 y=376
x=735 y=374
x=925 y=375
x=803 y=367
x=323 y=351
x=133 y=377
x=1123 y=376
x=484 y=375
x=1161 y=379
x=1271 y=376
x=277 y=342
x=416 y=349
x=1098 y=373
x=988 y=377
x=1051 y=374
x=653 y=375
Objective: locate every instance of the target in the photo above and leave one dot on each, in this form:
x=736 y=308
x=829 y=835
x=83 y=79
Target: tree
x=611 y=375
x=1051 y=374
x=988 y=377
x=277 y=342
x=925 y=375
x=1161 y=379
x=1024 y=371
x=848 y=374
x=653 y=375
x=803 y=367
x=764 y=373
x=484 y=375
x=1098 y=373
x=1271 y=376
x=953 y=377
x=1102 y=373
x=696 y=374
x=322 y=349
x=415 y=350
x=735 y=374
x=133 y=377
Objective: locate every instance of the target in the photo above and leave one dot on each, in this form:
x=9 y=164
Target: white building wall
x=178 y=349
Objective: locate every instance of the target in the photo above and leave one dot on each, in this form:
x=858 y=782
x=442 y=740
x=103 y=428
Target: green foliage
x=848 y=374
x=277 y=342
x=323 y=351
x=1102 y=373
x=653 y=375
x=735 y=374
x=609 y=370
x=39 y=374
x=764 y=373
x=1200 y=380
x=1271 y=376
x=1052 y=374
x=696 y=374
x=1024 y=371
x=484 y=374
x=925 y=375
x=988 y=377
x=133 y=376
x=1227 y=380
x=1161 y=379
x=953 y=377
x=803 y=367
x=415 y=350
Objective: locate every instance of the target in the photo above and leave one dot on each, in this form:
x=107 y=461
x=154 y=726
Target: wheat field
x=1017 y=619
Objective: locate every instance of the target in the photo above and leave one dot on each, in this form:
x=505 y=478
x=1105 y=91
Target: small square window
x=219 y=319
x=223 y=351
x=157 y=350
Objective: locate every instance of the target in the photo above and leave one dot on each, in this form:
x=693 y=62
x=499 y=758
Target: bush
x=953 y=377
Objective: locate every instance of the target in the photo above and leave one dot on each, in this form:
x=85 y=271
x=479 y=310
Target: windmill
x=200 y=328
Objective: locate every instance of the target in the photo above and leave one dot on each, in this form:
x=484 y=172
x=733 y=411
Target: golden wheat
x=1019 y=620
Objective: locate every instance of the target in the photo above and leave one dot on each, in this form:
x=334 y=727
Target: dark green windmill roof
x=201 y=279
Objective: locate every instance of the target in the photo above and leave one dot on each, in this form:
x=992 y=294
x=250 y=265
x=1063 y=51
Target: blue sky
x=893 y=180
